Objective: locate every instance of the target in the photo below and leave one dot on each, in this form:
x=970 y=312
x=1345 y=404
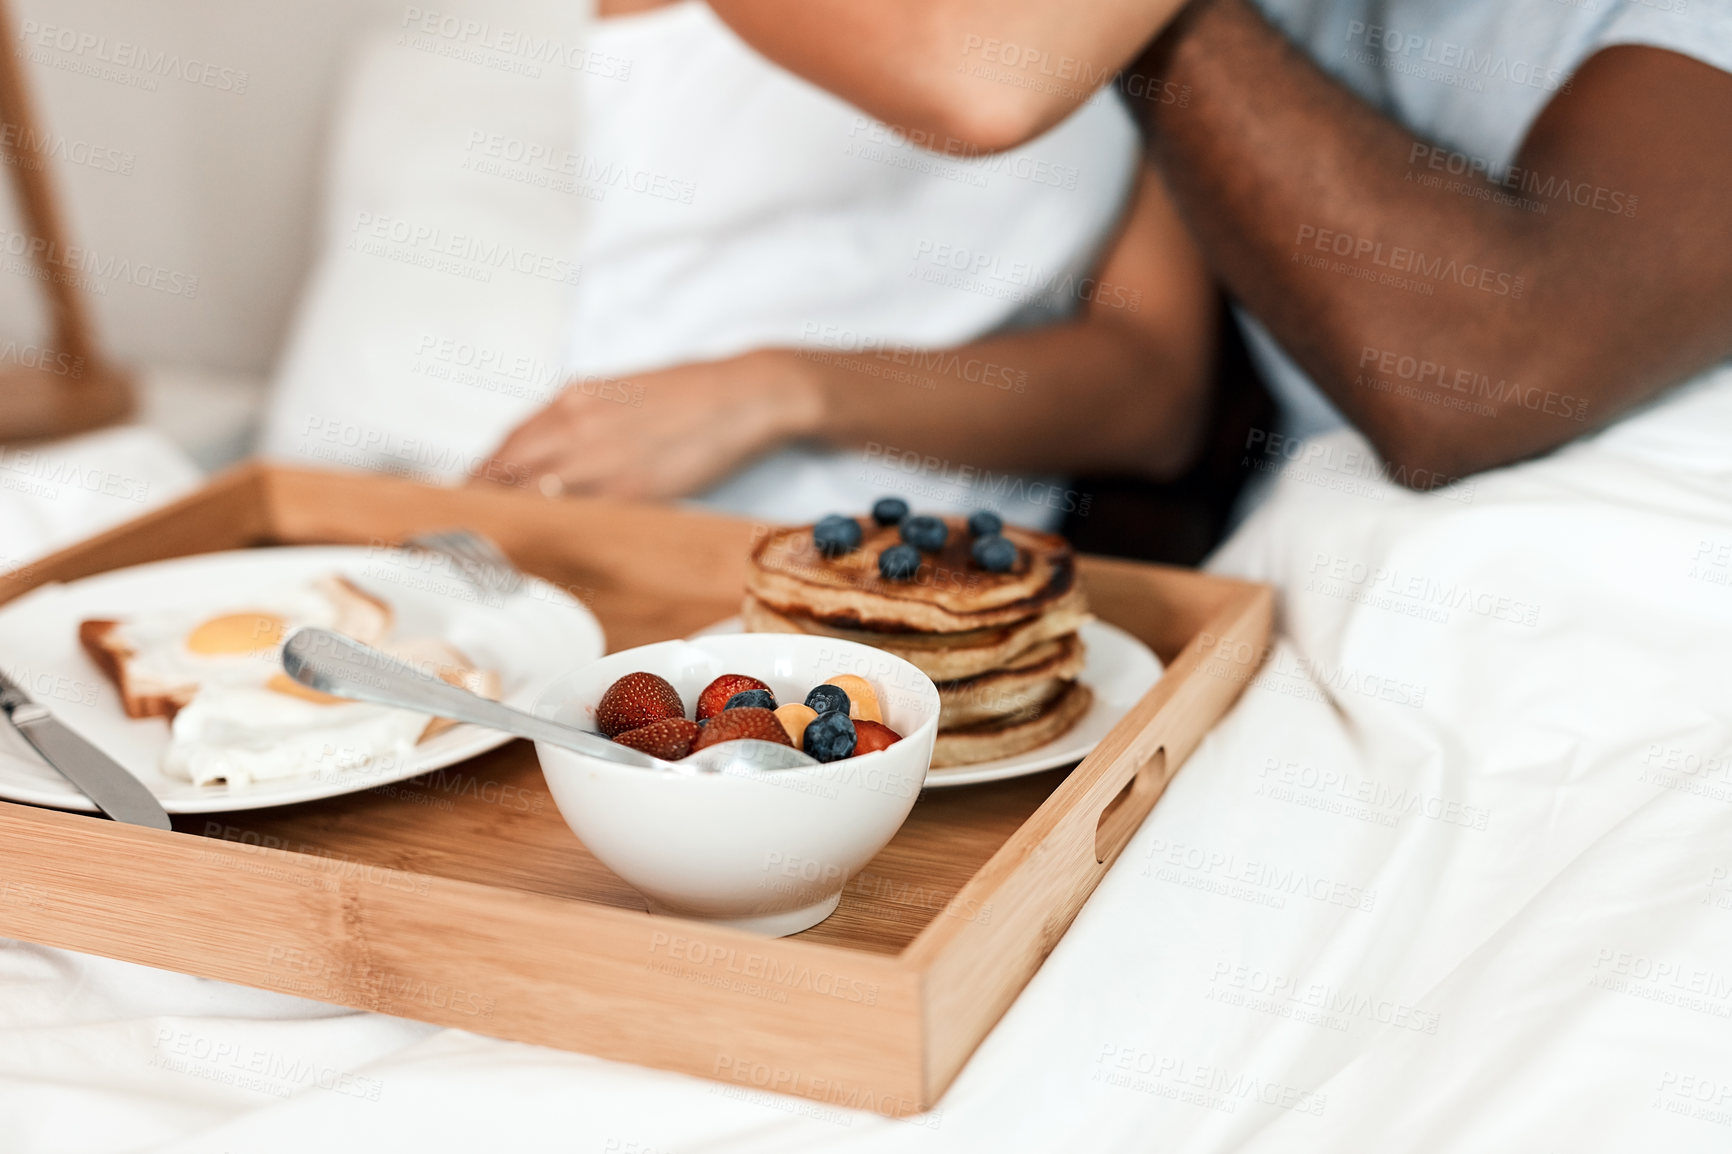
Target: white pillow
x=56 y=492
x=433 y=319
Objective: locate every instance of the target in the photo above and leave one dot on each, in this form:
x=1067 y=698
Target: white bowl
x=769 y=852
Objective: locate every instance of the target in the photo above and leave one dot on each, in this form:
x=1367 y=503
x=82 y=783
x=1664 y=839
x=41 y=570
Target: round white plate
x=1119 y=669
x=530 y=637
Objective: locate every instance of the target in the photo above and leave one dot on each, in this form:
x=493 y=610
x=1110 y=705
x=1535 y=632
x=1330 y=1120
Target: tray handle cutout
x=1125 y=812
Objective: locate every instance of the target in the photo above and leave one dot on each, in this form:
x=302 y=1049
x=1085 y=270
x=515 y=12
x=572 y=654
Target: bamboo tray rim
x=950 y=982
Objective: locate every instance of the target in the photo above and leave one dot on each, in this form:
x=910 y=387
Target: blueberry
x=827 y=699
x=830 y=737
x=898 y=562
x=751 y=699
x=994 y=554
x=889 y=510
x=836 y=535
x=985 y=524
x=925 y=533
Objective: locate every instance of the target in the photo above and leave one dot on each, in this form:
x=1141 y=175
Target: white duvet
x=1456 y=874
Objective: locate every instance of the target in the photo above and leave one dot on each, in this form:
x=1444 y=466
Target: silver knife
x=104 y=781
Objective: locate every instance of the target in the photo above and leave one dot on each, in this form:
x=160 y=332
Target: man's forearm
x=1315 y=210
x=1297 y=189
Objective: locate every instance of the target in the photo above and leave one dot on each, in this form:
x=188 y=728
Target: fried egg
x=236 y=716
x=176 y=653
x=242 y=733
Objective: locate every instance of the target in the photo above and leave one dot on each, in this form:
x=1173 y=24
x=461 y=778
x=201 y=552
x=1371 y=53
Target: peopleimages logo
x=1037 y=69
x=1301 y=456
x=492 y=152
x=1472 y=383
x=1199 y=1083
x=1401 y=259
x=1016 y=164
x=79 y=260
x=48 y=475
x=249 y=1068
x=39 y=357
x=1516 y=179
x=989 y=274
x=1330 y=1006
x=441 y=250
x=29 y=148
x=1261 y=881
x=1355 y=579
x=363 y=446
x=92 y=50
x=1333 y=791
x=900 y=465
x=457 y=35
x=773 y=973
x=1448 y=61
x=942 y=362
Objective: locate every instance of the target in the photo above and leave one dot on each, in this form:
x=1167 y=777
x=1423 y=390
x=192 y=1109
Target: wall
x=187 y=143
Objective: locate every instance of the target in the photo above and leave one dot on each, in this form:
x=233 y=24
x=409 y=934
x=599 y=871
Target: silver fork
x=482 y=563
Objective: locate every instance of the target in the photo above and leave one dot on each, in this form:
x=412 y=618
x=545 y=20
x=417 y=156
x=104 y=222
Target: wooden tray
x=461 y=898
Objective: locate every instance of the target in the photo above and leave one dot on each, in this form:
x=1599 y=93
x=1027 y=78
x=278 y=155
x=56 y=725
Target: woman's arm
x=1121 y=387
x=980 y=74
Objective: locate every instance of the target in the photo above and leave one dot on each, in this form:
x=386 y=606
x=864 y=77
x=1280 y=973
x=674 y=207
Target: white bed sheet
x=1455 y=875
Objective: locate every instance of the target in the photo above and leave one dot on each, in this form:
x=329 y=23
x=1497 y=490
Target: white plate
x=531 y=638
x=1119 y=669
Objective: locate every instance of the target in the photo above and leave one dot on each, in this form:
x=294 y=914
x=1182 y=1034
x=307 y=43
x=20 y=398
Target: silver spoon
x=334 y=664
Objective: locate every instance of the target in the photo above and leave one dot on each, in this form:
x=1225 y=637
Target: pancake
x=1036 y=677
x=1011 y=736
x=1001 y=706
x=949 y=594
x=1002 y=648
x=941 y=656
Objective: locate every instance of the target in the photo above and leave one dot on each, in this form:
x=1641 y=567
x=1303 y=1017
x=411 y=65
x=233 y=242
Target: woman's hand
x=668 y=433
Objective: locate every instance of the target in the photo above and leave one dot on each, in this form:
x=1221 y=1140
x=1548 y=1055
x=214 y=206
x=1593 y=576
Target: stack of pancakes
x=1002 y=647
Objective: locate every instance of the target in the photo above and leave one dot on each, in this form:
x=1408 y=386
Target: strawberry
x=871 y=736
x=715 y=696
x=749 y=723
x=669 y=739
x=636 y=700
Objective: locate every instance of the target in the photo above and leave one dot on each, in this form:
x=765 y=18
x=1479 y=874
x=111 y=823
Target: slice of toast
x=142 y=693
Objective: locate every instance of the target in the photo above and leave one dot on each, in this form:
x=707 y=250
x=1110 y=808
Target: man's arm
x=984 y=74
x=1458 y=329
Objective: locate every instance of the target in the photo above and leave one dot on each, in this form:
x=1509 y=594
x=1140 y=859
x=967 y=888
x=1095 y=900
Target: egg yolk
x=236 y=633
x=283 y=683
